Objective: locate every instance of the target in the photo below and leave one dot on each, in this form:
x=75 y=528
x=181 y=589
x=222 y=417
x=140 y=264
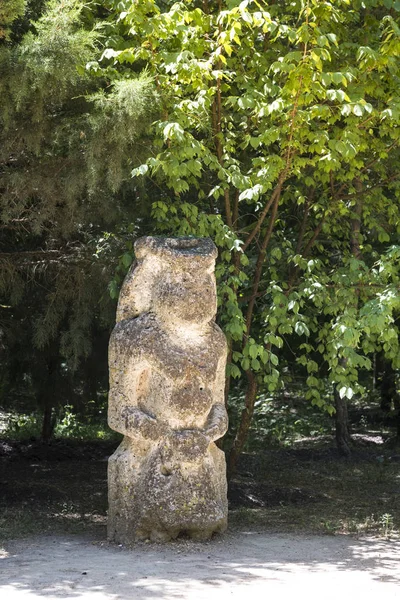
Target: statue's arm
x=129 y=374
x=132 y=421
x=193 y=443
x=217 y=422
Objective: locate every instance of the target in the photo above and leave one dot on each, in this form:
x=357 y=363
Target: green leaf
x=253 y=350
x=332 y=38
x=347 y=392
x=113 y=289
x=142 y=170
x=245 y=364
x=337 y=78
x=358 y=110
x=127 y=259
x=301 y=328
x=274 y=359
x=234 y=371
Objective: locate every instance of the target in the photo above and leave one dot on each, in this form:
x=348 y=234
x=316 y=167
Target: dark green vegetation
x=67 y=207
x=274 y=128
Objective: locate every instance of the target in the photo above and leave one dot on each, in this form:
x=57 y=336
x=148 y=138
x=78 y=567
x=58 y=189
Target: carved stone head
x=173 y=278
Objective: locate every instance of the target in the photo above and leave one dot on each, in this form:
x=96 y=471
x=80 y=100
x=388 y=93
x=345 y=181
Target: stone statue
x=167 y=375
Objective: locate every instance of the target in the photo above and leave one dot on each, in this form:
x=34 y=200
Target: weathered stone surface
x=167 y=373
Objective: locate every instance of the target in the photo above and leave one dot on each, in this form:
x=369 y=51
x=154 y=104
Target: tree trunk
x=245 y=422
x=343 y=439
x=48 y=423
x=247 y=413
x=47 y=400
x=386 y=382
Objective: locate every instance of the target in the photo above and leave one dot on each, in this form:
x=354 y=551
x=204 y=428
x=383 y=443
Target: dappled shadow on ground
x=256 y=494
x=232 y=565
x=67 y=483
x=62 y=487
x=55 y=450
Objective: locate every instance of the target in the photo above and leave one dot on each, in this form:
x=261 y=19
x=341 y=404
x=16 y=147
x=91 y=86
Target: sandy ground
x=246 y=565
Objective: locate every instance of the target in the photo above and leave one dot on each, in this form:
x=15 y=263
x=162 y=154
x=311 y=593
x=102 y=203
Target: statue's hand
x=217 y=422
x=189 y=444
x=139 y=422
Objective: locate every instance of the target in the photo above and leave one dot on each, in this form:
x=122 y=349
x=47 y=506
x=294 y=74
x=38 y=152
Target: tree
x=10 y=11
x=278 y=136
x=67 y=206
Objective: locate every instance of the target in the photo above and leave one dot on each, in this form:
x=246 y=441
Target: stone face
x=167 y=375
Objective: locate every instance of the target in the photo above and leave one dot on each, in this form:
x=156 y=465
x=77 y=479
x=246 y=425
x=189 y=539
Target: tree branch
x=264 y=213
x=316 y=233
x=259 y=265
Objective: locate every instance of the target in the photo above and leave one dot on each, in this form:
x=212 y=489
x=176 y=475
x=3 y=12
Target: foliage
x=90 y=425
x=10 y=10
x=279 y=420
x=283 y=421
x=273 y=129
x=68 y=140
x=278 y=137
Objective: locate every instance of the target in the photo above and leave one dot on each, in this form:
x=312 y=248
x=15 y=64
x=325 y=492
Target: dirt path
x=244 y=565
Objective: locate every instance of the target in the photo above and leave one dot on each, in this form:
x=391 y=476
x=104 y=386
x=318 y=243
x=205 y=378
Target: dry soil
x=241 y=565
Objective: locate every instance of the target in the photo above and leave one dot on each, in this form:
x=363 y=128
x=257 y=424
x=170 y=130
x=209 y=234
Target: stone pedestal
x=167 y=374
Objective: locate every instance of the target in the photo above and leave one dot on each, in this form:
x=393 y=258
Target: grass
x=59 y=496
x=291 y=480
x=359 y=495
x=307 y=488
